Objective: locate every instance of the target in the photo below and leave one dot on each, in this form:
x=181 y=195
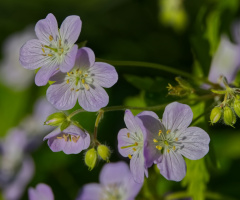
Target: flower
x=11 y=72
x=84 y=83
x=54 y=49
x=116 y=182
x=168 y=140
x=130 y=144
x=42 y=192
x=72 y=140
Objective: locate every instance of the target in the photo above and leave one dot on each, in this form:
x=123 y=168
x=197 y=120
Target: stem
x=98 y=119
x=152 y=108
x=158 y=67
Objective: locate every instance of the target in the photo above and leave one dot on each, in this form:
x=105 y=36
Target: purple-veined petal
x=43 y=75
x=61 y=95
x=46 y=27
x=90 y=191
x=130 y=122
x=69 y=60
x=85 y=58
x=133 y=188
x=54 y=133
x=42 y=192
x=137 y=167
x=194 y=143
x=124 y=140
x=55 y=144
x=70 y=29
x=177 y=116
x=32 y=56
x=104 y=74
x=226 y=61
x=172 y=166
x=114 y=173
x=93 y=99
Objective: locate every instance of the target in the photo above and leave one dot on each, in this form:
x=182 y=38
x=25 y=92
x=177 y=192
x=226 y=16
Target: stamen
x=86 y=75
x=83 y=81
x=159 y=147
x=132 y=145
x=168 y=131
x=134 y=149
x=80 y=72
x=168 y=150
x=166 y=142
x=77 y=90
x=176 y=139
x=77 y=80
x=159 y=133
x=71 y=72
x=68 y=74
x=65 y=137
x=59 y=137
x=67 y=81
x=70 y=139
x=154 y=140
x=174 y=148
x=86 y=86
x=75 y=138
x=60 y=42
x=43 y=50
x=50 y=38
x=128 y=135
x=44 y=54
x=72 y=89
x=130 y=157
x=50 y=55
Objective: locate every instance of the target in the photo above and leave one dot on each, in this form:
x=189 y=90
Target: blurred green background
x=184 y=35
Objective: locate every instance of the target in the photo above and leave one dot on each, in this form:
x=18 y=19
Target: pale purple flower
x=54 y=49
x=168 y=140
x=12 y=73
x=84 y=83
x=72 y=140
x=42 y=192
x=116 y=182
x=131 y=144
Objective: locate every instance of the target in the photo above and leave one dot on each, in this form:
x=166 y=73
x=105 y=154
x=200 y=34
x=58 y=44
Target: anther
x=168 y=150
x=68 y=74
x=86 y=86
x=136 y=143
x=166 y=142
x=59 y=137
x=60 y=42
x=168 y=131
x=128 y=135
x=86 y=75
x=174 y=148
x=75 y=138
x=49 y=54
x=130 y=157
x=50 y=38
x=80 y=72
x=67 y=81
x=43 y=50
x=154 y=140
x=83 y=81
x=77 y=90
x=72 y=89
x=65 y=137
x=159 y=148
x=176 y=139
x=72 y=73
x=134 y=149
x=159 y=133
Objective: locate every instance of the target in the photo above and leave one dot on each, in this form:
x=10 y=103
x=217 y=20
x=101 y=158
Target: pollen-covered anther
x=50 y=38
x=176 y=139
x=86 y=86
x=130 y=156
x=77 y=90
x=60 y=42
x=154 y=140
x=168 y=150
x=67 y=81
x=68 y=74
x=128 y=135
x=159 y=133
x=136 y=143
x=83 y=81
x=72 y=89
x=59 y=137
x=166 y=142
x=174 y=148
x=158 y=147
x=50 y=54
x=168 y=131
x=43 y=50
x=75 y=138
x=65 y=136
x=134 y=149
x=80 y=72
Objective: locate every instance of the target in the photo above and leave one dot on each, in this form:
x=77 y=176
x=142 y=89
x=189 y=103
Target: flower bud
x=91 y=158
x=104 y=152
x=228 y=116
x=55 y=119
x=236 y=107
x=216 y=114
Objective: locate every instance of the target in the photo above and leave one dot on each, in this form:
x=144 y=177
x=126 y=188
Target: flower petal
x=104 y=74
x=194 y=143
x=55 y=144
x=54 y=133
x=85 y=58
x=124 y=140
x=130 y=122
x=69 y=60
x=43 y=75
x=172 y=166
x=31 y=55
x=177 y=116
x=61 y=95
x=114 y=173
x=137 y=167
x=45 y=191
x=46 y=27
x=90 y=191
x=70 y=29
x=133 y=188
x=93 y=99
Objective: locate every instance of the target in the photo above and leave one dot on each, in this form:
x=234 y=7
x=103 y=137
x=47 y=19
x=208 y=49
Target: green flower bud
x=55 y=119
x=91 y=158
x=229 y=116
x=104 y=152
x=236 y=107
x=216 y=114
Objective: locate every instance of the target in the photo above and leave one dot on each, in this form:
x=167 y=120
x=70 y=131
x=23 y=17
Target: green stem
x=152 y=108
x=158 y=67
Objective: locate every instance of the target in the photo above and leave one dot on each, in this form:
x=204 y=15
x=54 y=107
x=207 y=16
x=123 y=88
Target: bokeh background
x=183 y=34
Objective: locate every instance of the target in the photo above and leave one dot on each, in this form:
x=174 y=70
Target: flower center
x=112 y=192
x=165 y=140
x=79 y=79
x=69 y=137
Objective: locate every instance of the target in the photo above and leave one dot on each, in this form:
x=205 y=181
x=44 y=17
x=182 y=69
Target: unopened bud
x=216 y=114
x=55 y=119
x=236 y=107
x=228 y=116
x=104 y=152
x=91 y=158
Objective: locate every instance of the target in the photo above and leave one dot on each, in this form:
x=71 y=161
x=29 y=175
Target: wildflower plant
x=147 y=142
